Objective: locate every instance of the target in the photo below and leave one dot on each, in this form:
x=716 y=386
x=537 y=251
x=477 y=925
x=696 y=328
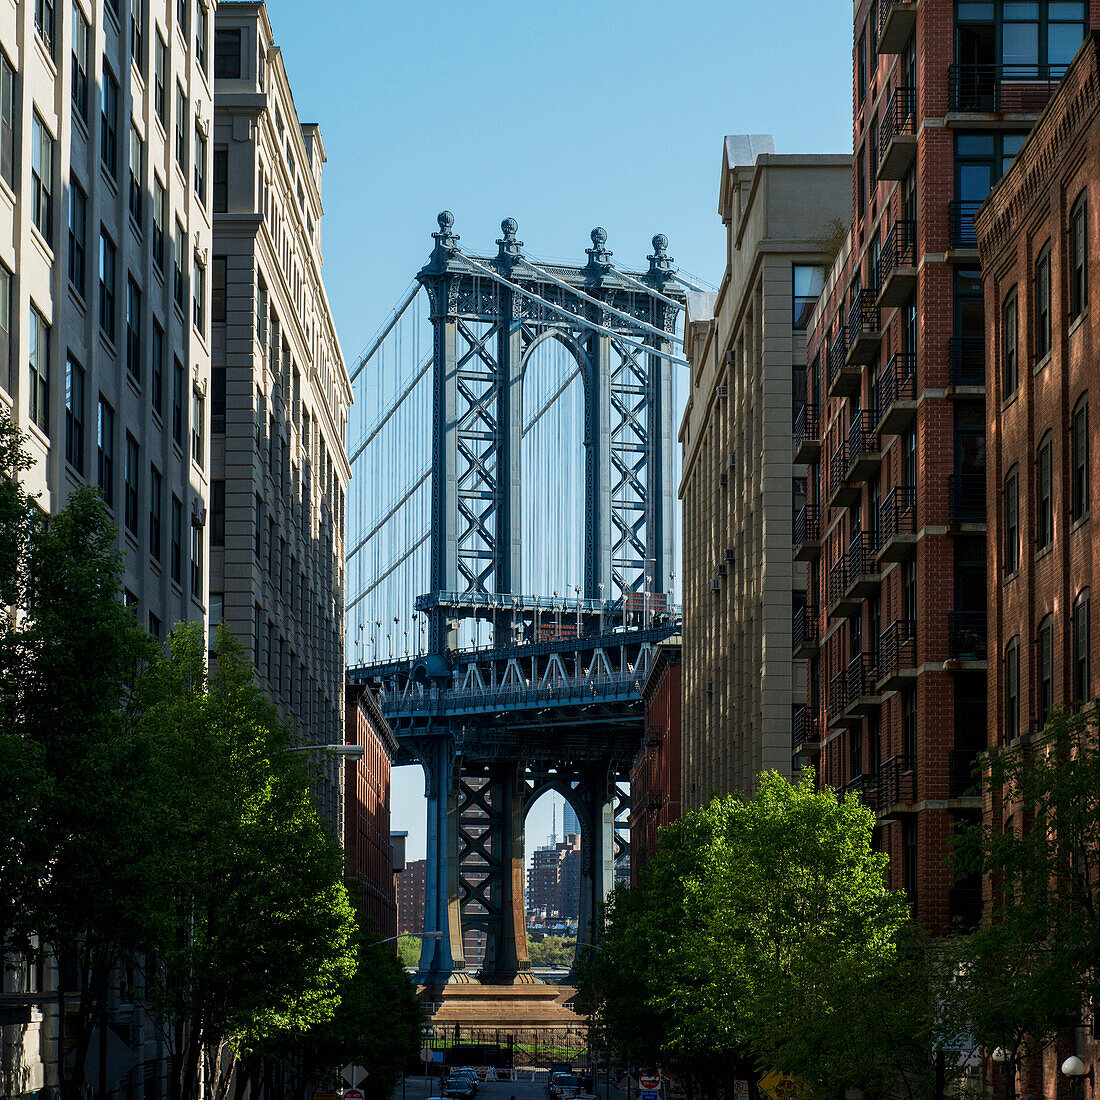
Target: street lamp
x=1075 y=1070
x=340 y=751
x=418 y=935
x=1007 y=1061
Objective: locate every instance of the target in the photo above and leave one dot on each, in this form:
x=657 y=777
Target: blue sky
x=564 y=115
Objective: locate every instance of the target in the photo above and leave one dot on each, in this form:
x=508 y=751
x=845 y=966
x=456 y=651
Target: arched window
x=1081 y=627
x=1044 y=666
x=1042 y=304
x=1010 y=364
x=1080 y=457
x=1010 y=523
x=1011 y=685
x=1044 y=505
x=1078 y=258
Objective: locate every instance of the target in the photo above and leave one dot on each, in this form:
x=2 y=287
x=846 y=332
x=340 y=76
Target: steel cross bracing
x=555 y=702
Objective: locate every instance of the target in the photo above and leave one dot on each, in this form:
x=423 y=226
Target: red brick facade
x=655 y=777
x=410 y=898
x=896 y=523
x=367 y=847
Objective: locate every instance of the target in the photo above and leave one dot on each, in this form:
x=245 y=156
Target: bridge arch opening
x=552 y=857
x=553 y=472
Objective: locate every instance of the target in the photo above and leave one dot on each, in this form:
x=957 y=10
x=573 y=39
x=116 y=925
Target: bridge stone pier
x=554 y=701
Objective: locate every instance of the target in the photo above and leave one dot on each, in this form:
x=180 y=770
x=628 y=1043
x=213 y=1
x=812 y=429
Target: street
x=420 y=1088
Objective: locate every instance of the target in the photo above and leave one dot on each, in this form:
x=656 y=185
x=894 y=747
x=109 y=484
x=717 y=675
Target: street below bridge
x=422 y=1088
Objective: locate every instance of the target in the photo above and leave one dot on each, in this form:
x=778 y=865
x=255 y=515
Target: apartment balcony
x=897 y=524
x=806 y=436
x=897 y=135
x=863 y=695
x=964 y=904
x=961 y=777
x=865 y=788
x=864 y=329
x=864 y=453
x=864 y=575
x=897 y=786
x=804 y=633
x=840 y=604
x=897 y=655
x=966 y=498
x=838 y=702
x=842 y=492
x=805 y=731
x=966 y=637
x=1002 y=89
x=807 y=533
x=961 y=213
x=897 y=388
x=897 y=264
x=966 y=366
x=844 y=378
x=896 y=21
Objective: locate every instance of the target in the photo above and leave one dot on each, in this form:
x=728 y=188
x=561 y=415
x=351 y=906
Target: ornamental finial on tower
x=598 y=255
x=445 y=239
x=660 y=263
x=510 y=250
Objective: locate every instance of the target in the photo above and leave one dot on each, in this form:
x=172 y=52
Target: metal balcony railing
x=964 y=905
x=897 y=647
x=962 y=780
x=862 y=676
x=961 y=213
x=885 y=7
x=967 y=639
x=966 y=361
x=897 y=782
x=838 y=353
x=989 y=88
x=862 y=438
x=899 y=249
x=807 y=525
x=900 y=117
x=898 y=379
x=838 y=466
x=966 y=498
x=838 y=579
x=863 y=317
x=897 y=514
x=865 y=787
x=861 y=563
x=838 y=694
x=806 y=428
x=804 y=627
x=806 y=729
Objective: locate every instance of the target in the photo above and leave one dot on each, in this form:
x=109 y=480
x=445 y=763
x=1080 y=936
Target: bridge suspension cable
x=384 y=419
x=387 y=328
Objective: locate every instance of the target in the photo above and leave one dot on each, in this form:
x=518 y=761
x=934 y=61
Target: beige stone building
x=279 y=392
x=740 y=491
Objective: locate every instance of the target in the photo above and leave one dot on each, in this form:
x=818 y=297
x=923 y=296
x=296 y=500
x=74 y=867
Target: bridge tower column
x=597 y=798
x=442 y=960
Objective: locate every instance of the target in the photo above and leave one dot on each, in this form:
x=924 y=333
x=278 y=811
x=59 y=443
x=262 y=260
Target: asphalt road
x=420 y=1088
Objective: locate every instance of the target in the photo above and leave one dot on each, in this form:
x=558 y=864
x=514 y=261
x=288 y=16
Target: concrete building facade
x=279 y=392
x=895 y=425
x=746 y=346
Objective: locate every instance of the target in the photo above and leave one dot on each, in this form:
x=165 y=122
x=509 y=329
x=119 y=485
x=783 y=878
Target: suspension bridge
x=511 y=558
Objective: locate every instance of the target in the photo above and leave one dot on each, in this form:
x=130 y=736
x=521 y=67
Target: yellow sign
x=783 y=1086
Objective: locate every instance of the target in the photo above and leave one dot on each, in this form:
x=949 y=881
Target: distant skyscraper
x=570 y=824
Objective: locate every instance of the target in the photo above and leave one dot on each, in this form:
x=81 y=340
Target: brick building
x=410 y=898
x=553 y=880
x=368 y=849
x=655 y=777
x=894 y=528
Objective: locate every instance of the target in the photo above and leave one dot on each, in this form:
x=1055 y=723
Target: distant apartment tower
x=553 y=880
x=279 y=392
x=746 y=346
x=895 y=424
x=410 y=898
x=570 y=823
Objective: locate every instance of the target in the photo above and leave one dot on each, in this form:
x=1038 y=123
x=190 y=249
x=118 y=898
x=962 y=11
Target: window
x=178 y=378
x=196 y=562
x=156 y=361
x=221 y=180
x=217 y=400
x=200 y=163
x=198 y=419
x=74 y=414
x=130 y=484
x=256 y=635
x=202 y=34
x=7 y=121
x=861 y=67
x=1044 y=512
x=258 y=516
x=809 y=281
x=156 y=631
x=1081 y=670
x=227 y=53
x=1080 y=458
x=181 y=130
x=137 y=34
x=198 y=308
x=1042 y=304
x=176 y=555
x=78 y=235
x=106 y=285
x=81 y=52
x=160 y=81
x=158 y=223
x=217 y=512
x=179 y=290
x=1045 y=668
x=42 y=178
x=156 y=492
x=1012 y=691
x=108 y=134
x=133 y=329
x=6 y=356
x=137 y=175
x=44 y=23
x=38 y=370
x=217 y=289
x=1078 y=258
x=1010 y=368
x=1011 y=520
x=183 y=17
x=106 y=447
x=260 y=62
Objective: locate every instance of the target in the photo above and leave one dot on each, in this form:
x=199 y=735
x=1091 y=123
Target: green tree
x=408 y=950
x=255 y=923
x=552 y=951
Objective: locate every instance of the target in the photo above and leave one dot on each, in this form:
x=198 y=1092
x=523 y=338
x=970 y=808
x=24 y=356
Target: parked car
x=458 y=1088
x=471 y=1075
x=564 y=1086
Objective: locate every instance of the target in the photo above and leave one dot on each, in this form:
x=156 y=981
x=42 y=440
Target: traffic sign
x=354 y=1075
x=353 y=1094
x=740 y=1087
x=784 y=1086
